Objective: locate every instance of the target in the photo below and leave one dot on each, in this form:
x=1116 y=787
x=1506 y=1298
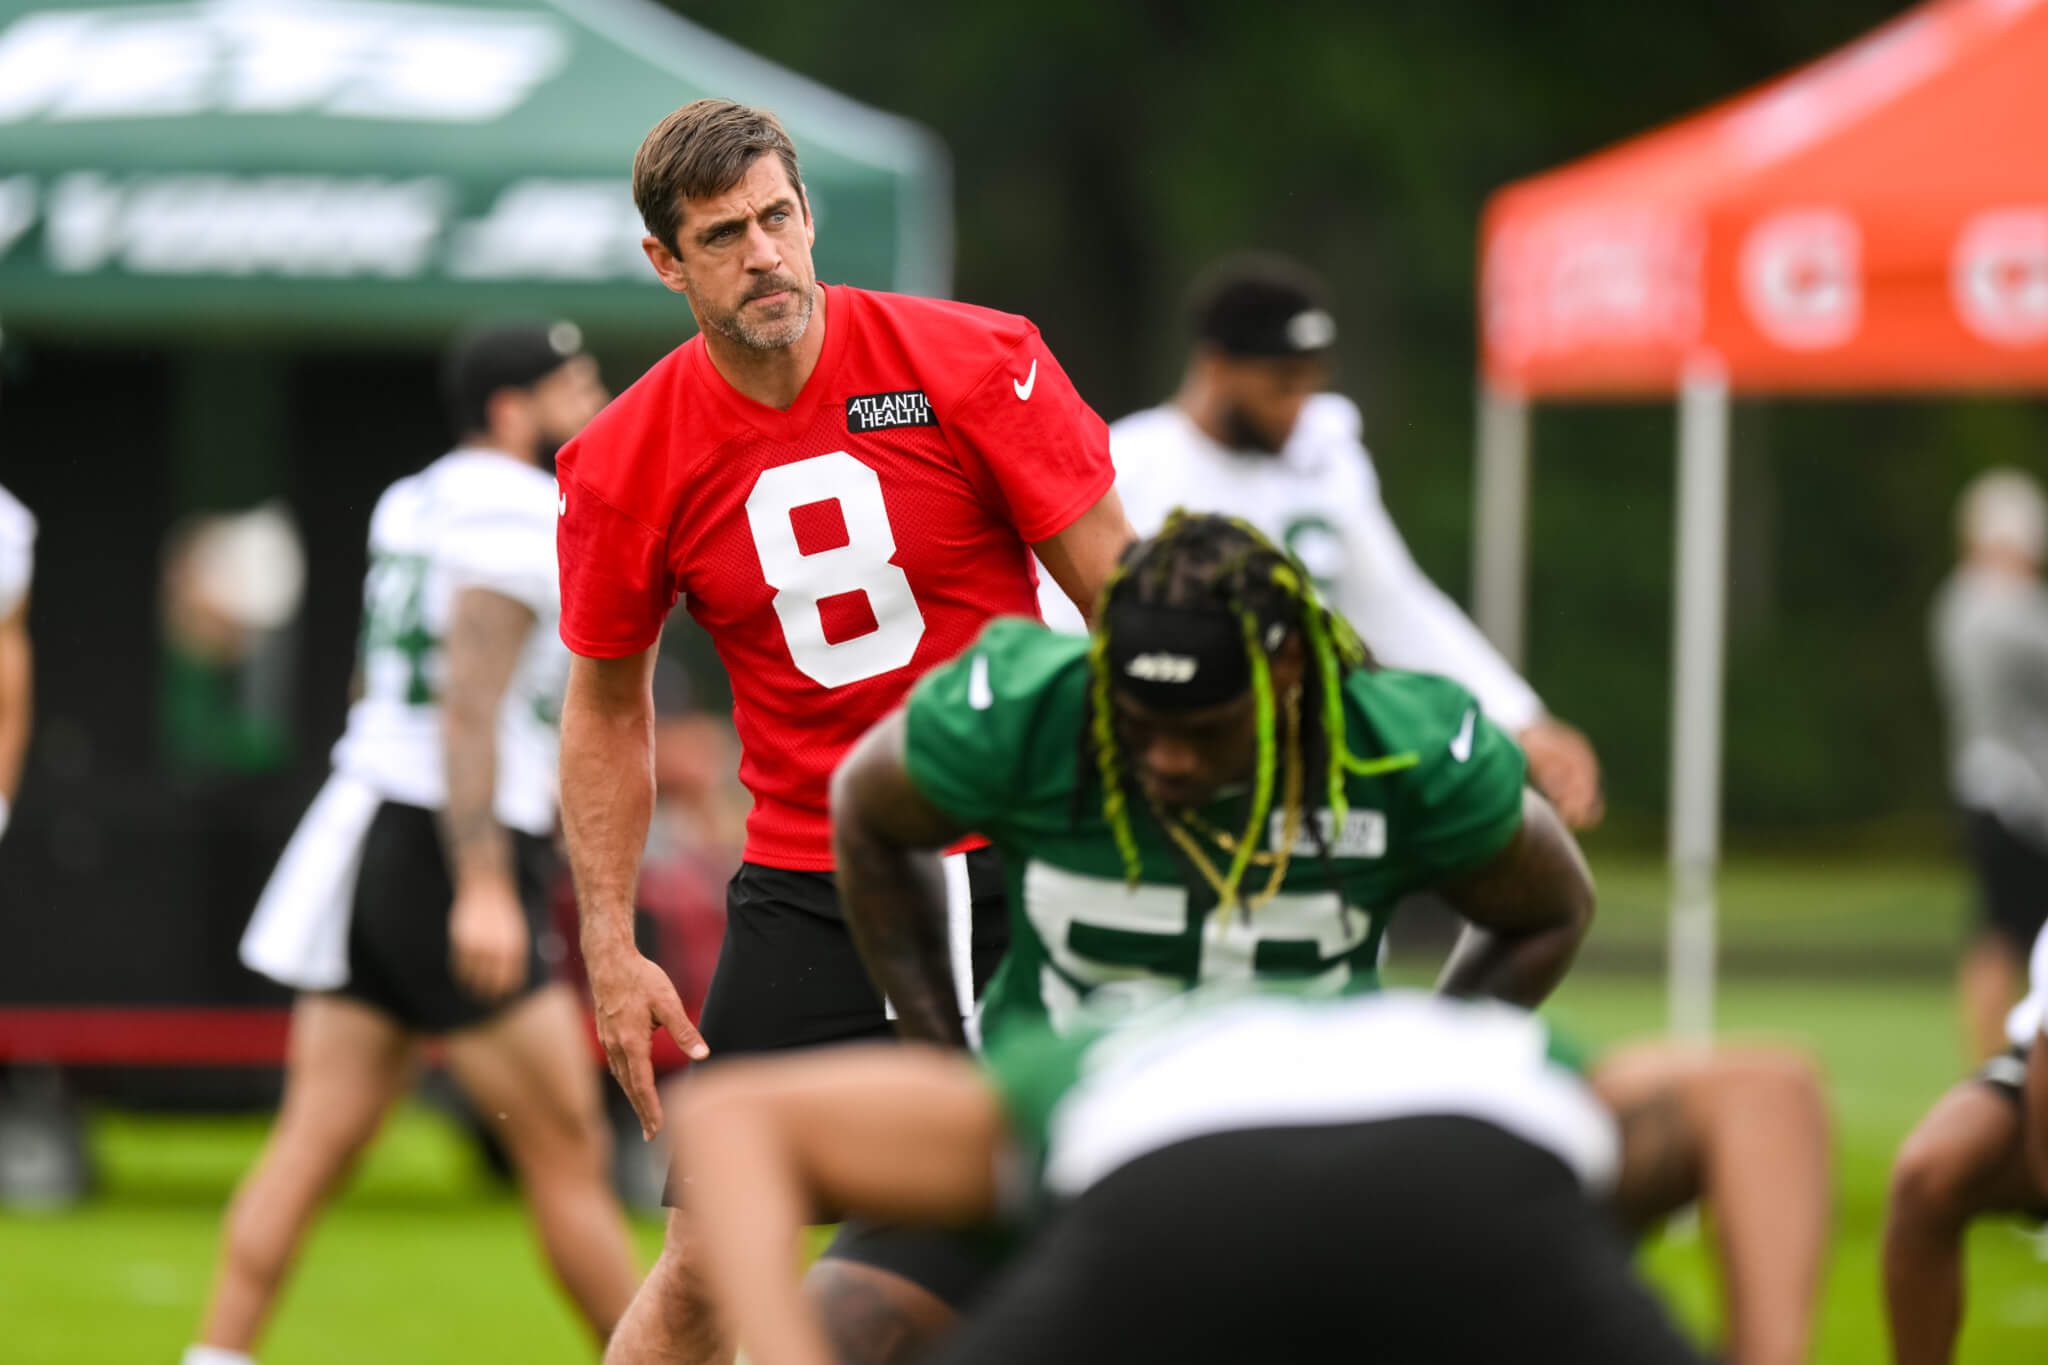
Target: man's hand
x=633 y=997
x=487 y=940
x=1563 y=766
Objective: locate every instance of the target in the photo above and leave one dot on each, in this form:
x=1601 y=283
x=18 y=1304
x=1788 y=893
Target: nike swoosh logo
x=1461 y=743
x=1029 y=382
x=980 y=695
x=561 y=503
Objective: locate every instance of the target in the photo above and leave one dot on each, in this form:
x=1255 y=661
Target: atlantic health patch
x=878 y=411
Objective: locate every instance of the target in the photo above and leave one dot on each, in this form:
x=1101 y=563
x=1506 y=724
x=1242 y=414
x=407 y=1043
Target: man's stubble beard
x=773 y=336
x=1241 y=433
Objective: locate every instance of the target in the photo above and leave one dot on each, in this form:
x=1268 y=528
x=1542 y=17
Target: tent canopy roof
x=1878 y=219
x=311 y=164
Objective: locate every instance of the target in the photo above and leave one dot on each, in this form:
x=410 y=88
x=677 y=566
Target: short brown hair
x=703 y=148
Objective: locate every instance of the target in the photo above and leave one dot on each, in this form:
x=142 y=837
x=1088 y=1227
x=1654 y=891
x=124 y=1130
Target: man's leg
x=1964 y=1159
x=1746 y=1130
x=875 y=1316
x=1989 y=981
x=346 y=1065
x=670 y=1320
x=530 y=1076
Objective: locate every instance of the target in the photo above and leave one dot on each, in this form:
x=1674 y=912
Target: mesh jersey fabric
x=836 y=551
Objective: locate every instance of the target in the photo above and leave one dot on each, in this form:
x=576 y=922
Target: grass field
x=427 y=1259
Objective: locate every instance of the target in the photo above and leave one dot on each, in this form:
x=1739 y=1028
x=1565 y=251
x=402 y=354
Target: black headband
x=1180 y=658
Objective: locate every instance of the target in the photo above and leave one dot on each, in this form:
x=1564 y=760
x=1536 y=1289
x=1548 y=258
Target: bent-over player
x=412 y=899
x=1398 y=1176
x=17 y=673
x=1982 y=1149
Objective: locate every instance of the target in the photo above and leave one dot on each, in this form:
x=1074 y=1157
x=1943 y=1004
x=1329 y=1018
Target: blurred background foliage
x=1103 y=152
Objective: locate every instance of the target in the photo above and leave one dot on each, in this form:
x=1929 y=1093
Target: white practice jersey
x=472 y=519
x=1319 y=498
x=2030 y=1017
x=17 y=552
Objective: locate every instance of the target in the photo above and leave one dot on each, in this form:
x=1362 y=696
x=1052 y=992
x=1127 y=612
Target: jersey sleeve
x=616 y=583
x=1041 y=448
x=17 y=553
x=1462 y=800
x=969 y=725
x=503 y=541
x=1405 y=619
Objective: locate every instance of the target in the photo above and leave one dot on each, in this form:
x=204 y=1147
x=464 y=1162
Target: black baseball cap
x=514 y=355
x=1261 y=305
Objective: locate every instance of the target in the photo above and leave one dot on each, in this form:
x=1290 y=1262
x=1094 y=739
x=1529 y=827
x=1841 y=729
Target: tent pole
x=1701 y=587
x=1500 y=542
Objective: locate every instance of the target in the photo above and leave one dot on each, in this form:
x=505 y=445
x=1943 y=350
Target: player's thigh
x=528 y=1068
x=345 y=1065
x=1967 y=1156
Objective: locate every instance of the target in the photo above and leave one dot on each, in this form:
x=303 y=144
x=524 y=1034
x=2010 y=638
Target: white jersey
x=1266 y=1062
x=472 y=519
x=17 y=552
x=2030 y=1017
x=1320 y=499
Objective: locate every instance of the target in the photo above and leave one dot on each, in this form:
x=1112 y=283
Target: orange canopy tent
x=1874 y=222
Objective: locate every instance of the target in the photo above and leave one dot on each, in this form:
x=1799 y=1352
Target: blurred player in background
x=17 y=674
x=1982 y=1149
x=1990 y=638
x=1399 y=1177
x=1253 y=432
x=411 y=900
x=842 y=486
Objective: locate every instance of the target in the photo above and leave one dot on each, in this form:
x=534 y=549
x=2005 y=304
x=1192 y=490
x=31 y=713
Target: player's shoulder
x=1012 y=666
x=637 y=428
x=1409 y=712
x=952 y=347
x=17 y=523
x=475 y=484
x=914 y=314
x=1148 y=434
x=1330 y=416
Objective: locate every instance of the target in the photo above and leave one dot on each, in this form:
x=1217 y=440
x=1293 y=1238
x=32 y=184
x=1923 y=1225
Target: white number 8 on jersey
x=861 y=565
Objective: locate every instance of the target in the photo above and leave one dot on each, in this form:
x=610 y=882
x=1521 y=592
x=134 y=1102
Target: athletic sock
x=214 y=1355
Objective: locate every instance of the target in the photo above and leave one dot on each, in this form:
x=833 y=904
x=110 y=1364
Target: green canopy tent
x=370 y=166
x=233 y=233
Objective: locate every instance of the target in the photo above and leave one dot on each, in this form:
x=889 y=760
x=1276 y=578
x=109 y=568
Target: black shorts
x=788 y=976
x=398 y=927
x=1420 y=1240
x=2012 y=879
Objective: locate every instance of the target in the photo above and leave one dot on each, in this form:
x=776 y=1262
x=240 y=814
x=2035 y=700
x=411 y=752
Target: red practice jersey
x=837 y=551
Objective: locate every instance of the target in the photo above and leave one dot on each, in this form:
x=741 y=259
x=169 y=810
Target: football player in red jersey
x=842 y=486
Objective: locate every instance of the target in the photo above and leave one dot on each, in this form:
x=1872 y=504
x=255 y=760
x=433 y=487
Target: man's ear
x=665 y=264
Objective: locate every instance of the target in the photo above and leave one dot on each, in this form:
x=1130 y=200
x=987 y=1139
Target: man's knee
x=1933 y=1178
x=873 y=1316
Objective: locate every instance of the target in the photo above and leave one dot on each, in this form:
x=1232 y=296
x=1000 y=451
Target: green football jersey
x=1083 y=1103
x=993 y=739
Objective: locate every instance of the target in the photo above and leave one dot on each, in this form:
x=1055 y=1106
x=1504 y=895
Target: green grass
x=426 y=1259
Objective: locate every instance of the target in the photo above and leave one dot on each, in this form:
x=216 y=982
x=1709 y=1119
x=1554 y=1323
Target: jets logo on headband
x=1162 y=668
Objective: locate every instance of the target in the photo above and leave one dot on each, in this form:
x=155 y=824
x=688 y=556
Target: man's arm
x=486 y=928
x=1528 y=910
x=1746 y=1131
x=765 y=1146
x=886 y=839
x=17 y=704
x=1080 y=557
x=607 y=800
x=1410 y=623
